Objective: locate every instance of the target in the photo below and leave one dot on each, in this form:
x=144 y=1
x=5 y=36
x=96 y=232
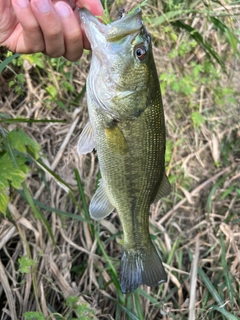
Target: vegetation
x=55 y=261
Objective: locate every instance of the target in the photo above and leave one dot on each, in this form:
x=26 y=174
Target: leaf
x=34 y=315
x=52 y=91
x=210 y=287
x=8 y=61
x=19 y=140
x=227 y=274
x=37 y=213
x=223 y=311
x=167 y=16
x=29 y=120
x=25 y=263
x=197 y=119
x=233 y=40
x=142 y=4
x=201 y=41
x=3 y=202
x=34 y=59
x=9 y=173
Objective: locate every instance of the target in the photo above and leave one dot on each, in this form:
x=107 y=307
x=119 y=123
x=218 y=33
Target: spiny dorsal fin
x=164 y=189
x=100 y=206
x=86 y=142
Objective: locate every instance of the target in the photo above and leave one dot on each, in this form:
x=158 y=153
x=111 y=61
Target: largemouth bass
x=127 y=129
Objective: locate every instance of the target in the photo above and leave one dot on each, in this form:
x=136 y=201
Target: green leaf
x=138 y=305
x=8 y=61
x=167 y=16
x=52 y=91
x=142 y=4
x=211 y=53
x=37 y=213
x=19 y=140
x=223 y=311
x=3 y=202
x=197 y=119
x=34 y=315
x=25 y=263
x=210 y=287
x=29 y=120
x=227 y=274
x=35 y=59
x=9 y=173
x=84 y=312
x=129 y=313
x=71 y=301
x=233 y=40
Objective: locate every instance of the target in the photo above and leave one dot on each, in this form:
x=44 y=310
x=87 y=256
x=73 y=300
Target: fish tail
x=141 y=267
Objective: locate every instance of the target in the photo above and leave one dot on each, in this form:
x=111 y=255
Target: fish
x=127 y=128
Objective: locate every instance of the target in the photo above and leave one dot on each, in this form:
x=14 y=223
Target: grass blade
x=226 y=272
x=210 y=287
x=37 y=213
x=29 y=120
x=211 y=53
x=7 y=61
x=129 y=313
x=82 y=194
x=138 y=306
x=227 y=314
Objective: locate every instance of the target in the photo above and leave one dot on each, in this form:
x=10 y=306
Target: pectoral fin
x=164 y=189
x=100 y=206
x=116 y=140
x=86 y=141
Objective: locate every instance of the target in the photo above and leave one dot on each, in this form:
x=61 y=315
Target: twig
x=193 y=193
x=7 y=288
x=193 y=282
x=61 y=150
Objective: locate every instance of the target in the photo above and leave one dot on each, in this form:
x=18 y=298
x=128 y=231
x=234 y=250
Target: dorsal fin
x=164 y=189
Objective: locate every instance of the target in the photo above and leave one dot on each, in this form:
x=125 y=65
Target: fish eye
x=141 y=52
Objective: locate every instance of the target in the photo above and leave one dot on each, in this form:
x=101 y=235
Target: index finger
x=94 y=6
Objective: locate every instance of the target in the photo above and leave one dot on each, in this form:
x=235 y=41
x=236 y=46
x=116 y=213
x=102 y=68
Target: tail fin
x=141 y=267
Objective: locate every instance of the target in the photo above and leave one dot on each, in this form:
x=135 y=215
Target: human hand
x=51 y=27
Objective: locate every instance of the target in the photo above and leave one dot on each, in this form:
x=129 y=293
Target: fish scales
x=127 y=129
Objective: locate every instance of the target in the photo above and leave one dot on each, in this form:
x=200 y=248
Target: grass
x=196 y=227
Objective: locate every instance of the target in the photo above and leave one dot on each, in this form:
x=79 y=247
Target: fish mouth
x=100 y=34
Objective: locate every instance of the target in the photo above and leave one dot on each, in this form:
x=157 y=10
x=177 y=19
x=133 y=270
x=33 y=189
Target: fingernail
x=62 y=9
x=22 y=3
x=43 y=5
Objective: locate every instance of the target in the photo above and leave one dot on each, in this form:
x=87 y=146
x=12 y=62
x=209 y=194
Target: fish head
x=122 y=62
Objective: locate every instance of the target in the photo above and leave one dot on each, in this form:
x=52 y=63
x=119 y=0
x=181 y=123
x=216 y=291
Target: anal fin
x=164 y=189
x=100 y=206
x=86 y=142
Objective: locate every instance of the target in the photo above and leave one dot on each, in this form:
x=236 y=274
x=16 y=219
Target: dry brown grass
x=196 y=226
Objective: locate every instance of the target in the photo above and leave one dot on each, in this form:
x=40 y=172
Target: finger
x=51 y=27
x=95 y=7
x=71 y=31
x=26 y=37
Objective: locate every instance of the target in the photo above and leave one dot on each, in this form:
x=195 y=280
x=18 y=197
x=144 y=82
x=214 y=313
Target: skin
x=55 y=30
